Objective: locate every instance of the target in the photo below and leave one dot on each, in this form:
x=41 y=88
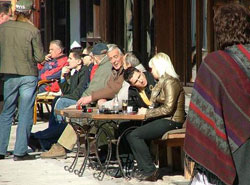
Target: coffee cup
x=129 y=109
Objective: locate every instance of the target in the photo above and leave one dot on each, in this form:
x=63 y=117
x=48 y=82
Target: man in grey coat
x=20 y=50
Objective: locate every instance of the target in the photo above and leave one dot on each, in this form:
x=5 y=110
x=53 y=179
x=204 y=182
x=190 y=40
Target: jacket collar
x=116 y=73
x=104 y=60
x=62 y=56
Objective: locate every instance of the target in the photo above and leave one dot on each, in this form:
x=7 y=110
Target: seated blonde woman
x=167 y=113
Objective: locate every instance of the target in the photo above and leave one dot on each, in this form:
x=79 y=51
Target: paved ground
x=51 y=171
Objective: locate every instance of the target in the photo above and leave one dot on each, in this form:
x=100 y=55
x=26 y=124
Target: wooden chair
x=175 y=159
x=45 y=98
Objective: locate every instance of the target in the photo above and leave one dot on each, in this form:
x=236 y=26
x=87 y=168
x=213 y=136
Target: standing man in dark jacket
x=20 y=78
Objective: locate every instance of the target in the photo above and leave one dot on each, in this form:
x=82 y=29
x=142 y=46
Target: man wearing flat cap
x=115 y=81
x=20 y=49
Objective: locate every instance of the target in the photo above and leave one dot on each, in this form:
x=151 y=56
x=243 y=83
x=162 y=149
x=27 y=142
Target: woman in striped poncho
x=218 y=122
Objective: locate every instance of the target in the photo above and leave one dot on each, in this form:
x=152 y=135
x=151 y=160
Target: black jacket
x=134 y=98
x=73 y=87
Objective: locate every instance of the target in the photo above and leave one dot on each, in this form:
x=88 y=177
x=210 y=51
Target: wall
x=74 y=21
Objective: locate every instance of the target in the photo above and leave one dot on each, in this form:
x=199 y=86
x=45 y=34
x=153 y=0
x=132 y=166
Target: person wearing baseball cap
x=24 y=5
x=23 y=11
x=21 y=47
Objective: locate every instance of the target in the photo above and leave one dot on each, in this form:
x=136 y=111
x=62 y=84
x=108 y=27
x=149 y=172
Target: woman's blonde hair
x=163 y=64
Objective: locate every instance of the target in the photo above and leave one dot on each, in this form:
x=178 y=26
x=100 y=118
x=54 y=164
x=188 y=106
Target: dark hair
x=5 y=7
x=128 y=73
x=232 y=25
x=77 y=52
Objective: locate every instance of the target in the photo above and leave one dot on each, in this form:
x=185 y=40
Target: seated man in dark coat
x=73 y=77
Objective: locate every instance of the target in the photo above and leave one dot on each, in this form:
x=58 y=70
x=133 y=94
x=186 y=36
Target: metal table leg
x=105 y=165
x=125 y=174
x=73 y=164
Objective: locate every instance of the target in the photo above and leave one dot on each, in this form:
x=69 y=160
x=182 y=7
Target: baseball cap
x=99 y=49
x=24 y=5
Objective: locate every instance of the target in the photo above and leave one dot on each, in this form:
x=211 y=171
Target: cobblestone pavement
x=51 y=171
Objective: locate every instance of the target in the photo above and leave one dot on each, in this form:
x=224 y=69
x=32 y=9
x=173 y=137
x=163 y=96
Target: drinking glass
x=124 y=106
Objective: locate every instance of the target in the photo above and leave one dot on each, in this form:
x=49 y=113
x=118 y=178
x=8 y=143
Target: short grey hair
x=132 y=59
x=111 y=47
x=58 y=43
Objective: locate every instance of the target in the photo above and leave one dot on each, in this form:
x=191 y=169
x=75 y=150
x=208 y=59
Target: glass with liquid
x=124 y=106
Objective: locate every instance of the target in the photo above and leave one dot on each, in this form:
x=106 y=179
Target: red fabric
x=61 y=62
x=39 y=66
x=52 y=70
x=53 y=87
x=244 y=50
x=92 y=73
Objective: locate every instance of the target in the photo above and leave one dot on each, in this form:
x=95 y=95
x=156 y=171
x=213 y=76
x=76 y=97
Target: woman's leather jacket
x=168 y=98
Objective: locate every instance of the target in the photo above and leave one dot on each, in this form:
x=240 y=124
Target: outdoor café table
x=68 y=114
x=93 y=117
x=116 y=118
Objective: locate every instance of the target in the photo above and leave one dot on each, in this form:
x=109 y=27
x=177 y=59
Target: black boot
x=34 y=144
x=24 y=157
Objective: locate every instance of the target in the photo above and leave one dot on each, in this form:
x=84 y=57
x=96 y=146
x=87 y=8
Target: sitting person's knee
x=131 y=136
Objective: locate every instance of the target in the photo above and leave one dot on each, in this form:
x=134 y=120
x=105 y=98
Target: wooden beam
x=104 y=20
x=186 y=72
x=96 y=20
x=36 y=14
x=136 y=25
x=199 y=32
x=210 y=26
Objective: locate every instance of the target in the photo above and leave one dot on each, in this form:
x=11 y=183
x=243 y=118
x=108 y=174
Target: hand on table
x=84 y=100
x=100 y=102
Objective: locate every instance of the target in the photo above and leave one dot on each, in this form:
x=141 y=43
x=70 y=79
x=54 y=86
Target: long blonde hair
x=163 y=64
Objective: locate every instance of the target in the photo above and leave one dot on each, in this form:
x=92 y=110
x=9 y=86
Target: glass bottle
x=116 y=104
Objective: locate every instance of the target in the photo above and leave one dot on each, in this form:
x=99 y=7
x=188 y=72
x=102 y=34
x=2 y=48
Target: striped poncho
x=218 y=122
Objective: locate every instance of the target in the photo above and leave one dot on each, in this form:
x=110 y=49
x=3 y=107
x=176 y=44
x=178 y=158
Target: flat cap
x=99 y=49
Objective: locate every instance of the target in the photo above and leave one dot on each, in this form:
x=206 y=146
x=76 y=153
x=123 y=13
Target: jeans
x=59 y=104
x=21 y=89
x=62 y=103
x=56 y=127
x=52 y=118
x=138 y=137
